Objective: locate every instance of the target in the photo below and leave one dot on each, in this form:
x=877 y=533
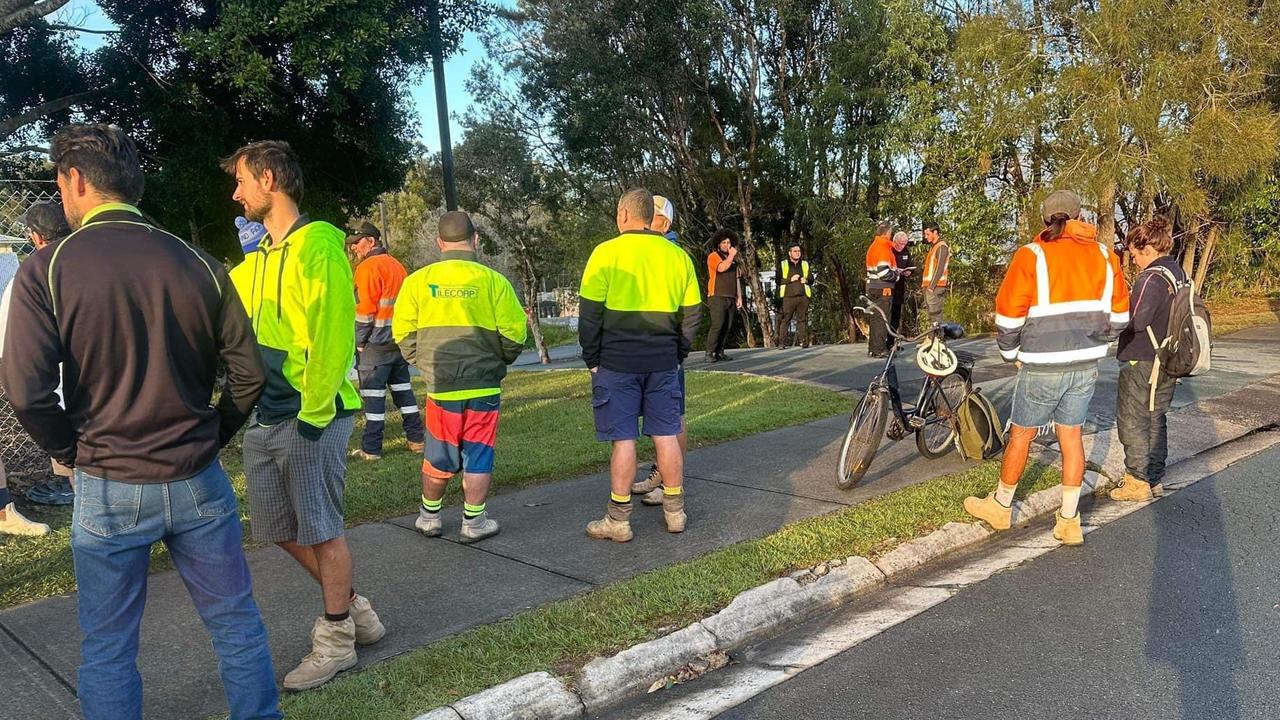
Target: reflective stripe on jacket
x=936 y=265
x=882 y=264
x=298 y=295
x=378 y=280
x=784 y=279
x=1062 y=301
x=461 y=323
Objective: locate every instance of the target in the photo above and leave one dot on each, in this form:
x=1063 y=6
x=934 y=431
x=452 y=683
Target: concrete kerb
x=606 y=681
x=536 y=696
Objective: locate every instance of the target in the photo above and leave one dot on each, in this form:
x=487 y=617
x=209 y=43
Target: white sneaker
x=429 y=524
x=15 y=524
x=479 y=528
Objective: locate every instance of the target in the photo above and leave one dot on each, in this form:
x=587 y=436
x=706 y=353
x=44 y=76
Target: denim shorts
x=1042 y=397
x=619 y=400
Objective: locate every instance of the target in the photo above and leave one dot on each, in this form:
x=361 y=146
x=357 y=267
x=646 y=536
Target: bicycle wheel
x=863 y=438
x=937 y=437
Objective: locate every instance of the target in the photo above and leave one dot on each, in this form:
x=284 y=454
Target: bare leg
x=333 y=558
x=305 y=555
x=1071 y=442
x=475 y=487
x=433 y=487
x=1015 y=454
x=622 y=467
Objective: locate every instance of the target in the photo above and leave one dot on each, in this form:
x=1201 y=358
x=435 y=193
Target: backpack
x=981 y=433
x=1185 y=350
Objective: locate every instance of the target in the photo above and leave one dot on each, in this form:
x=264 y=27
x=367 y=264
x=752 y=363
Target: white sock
x=1004 y=494
x=1070 y=501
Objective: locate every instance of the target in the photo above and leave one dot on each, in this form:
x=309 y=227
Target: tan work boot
x=14 y=523
x=333 y=649
x=1068 y=530
x=615 y=526
x=369 y=628
x=653 y=497
x=1132 y=490
x=651 y=482
x=990 y=511
x=416 y=447
x=673 y=510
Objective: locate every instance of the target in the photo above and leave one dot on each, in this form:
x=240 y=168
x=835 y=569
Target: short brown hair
x=104 y=154
x=273 y=155
x=1154 y=233
x=638 y=202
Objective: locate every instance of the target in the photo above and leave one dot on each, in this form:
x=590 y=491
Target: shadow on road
x=1193 y=623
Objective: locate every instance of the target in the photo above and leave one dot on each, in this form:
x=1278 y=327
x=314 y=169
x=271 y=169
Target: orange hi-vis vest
x=882 y=265
x=378 y=279
x=936 y=264
x=1062 y=301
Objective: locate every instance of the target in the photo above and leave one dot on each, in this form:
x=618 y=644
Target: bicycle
x=932 y=418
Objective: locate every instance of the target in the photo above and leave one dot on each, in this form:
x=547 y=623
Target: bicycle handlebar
x=934 y=328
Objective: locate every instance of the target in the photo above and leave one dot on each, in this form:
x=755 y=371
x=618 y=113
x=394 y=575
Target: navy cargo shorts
x=620 y=399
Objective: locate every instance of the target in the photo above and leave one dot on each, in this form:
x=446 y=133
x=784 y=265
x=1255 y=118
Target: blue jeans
x=1060 y=397
x=113 y=528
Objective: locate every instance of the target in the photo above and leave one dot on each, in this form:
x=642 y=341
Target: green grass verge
x=546 y=434
x=555 y=335
x=561 y=636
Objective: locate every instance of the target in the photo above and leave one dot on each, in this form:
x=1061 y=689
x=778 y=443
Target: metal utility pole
x=442 y=104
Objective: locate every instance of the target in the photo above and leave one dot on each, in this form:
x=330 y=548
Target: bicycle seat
x=952 y=331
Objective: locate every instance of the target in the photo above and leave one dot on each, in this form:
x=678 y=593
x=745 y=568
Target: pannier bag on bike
x=981 y=435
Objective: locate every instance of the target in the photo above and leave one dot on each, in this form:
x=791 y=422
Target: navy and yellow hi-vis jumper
x=640 y=304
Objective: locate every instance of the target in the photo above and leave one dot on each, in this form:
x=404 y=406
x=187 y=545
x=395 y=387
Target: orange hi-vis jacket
x=936 y=265
x=378 y=280
x=1062 y=301
x=882 y=266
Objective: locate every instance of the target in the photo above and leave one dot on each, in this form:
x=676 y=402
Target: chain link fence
x=18 y=451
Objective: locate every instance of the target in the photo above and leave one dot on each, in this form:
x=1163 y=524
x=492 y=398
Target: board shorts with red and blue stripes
x=460 y=436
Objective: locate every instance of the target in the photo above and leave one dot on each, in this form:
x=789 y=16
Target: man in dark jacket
x=901 y=242
x=795 y=288
x=1144 y=393
x=139 y=320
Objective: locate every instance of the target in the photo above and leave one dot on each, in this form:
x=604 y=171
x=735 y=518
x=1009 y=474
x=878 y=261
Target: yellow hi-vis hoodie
x=298 y=292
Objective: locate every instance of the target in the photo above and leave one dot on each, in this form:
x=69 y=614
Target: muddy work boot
x=1068 y=530
x=1132 y=490
x=479 y=528
x=990 y=511
x=673 y=511
x=652 y=482
x=615 y=525
x=429 y=524
x=333 y=649
x=653 y=497
x=14 y=523
x=369 y=629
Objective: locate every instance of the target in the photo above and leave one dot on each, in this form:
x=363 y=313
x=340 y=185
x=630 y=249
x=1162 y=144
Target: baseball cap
x=47 y=219
x=366 y=229
x=664 y=207
x=1060 y=201
x=250 y=232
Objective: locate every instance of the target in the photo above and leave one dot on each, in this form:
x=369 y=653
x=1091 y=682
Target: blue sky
x=422 y=93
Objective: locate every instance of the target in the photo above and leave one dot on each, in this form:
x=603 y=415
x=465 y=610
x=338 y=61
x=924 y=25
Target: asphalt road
x=1171 y=612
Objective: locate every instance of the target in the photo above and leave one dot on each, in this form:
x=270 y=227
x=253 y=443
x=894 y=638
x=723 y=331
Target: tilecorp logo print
x=462 y=292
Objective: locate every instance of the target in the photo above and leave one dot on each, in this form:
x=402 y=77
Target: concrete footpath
x=428 y=589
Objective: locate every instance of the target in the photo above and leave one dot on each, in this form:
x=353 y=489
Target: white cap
x=663 y=207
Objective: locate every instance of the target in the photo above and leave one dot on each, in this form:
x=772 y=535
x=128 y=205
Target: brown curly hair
x=1154 y=233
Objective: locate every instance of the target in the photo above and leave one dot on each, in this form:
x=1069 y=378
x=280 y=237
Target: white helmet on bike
x=935 y=358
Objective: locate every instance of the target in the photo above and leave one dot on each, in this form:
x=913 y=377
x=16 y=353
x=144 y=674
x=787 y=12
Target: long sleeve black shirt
x=139 y=320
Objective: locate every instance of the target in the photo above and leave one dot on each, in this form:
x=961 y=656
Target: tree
x=192 y=81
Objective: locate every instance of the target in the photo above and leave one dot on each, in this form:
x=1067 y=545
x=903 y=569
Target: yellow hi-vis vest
x=786 y=273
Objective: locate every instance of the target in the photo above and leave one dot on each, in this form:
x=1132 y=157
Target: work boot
x=673 y=510
x=1132 y=490
x=478 y=528
x=1068 y=530
x=360 y=454
x=653 y=497
x=14 y=523
x=990 y=511
x=615 y=525
x=333 y=649
x=416 y=447
x=369 y=629
x=429 y=524
x=653 y=480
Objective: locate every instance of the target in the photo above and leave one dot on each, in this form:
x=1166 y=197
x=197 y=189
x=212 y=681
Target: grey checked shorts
x=296 y=485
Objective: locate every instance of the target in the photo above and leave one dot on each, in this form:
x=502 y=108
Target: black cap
x=455 y=226
x=366 y=229
x=47 y=219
